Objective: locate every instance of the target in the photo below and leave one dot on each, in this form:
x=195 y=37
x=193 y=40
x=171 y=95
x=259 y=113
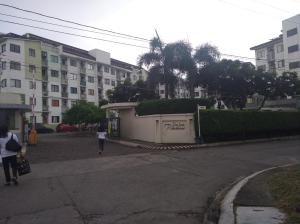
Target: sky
x=232 y=25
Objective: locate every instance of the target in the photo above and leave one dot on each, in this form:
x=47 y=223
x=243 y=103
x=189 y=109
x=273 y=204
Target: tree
x=83 y=113
x=128 y=92
x=165 y=62
x=206 y=54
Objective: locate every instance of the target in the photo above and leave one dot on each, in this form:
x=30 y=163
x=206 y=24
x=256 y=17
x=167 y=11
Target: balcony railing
x=44 y=62
x=83 y=96
x=83 y=83
x=45 y=78
x=45 y=108
x=82 y=70
x=100 y=72
x=64 y=81
x=45 y=92
x=64 y=94
x=64 y=67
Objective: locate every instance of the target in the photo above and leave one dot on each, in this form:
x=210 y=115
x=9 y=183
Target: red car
x=65 y=128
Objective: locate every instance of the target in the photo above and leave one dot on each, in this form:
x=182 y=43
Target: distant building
x=282 y=53
x=52 y=76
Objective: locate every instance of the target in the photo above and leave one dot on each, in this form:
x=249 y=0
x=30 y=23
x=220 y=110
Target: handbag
x=23 y=167
x=12 y=145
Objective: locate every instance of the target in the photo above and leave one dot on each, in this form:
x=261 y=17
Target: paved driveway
x=151 y=187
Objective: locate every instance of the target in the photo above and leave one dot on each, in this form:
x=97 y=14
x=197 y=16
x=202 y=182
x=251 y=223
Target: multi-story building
x=52 y=76
x=282 y=53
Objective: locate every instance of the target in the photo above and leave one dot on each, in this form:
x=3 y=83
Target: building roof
x=122 y=64
x=269 y=43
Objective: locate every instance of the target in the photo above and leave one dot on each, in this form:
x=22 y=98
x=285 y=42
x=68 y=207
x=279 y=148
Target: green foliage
x=174 y=106
x=239 y=125
x=83 y=112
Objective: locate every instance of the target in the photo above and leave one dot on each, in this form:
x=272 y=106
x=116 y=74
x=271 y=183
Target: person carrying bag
x=9 y=147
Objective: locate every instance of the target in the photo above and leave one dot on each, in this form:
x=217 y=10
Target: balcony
x=45 y=78
x=64 y=67
x=64 y=108
x=83 y=83
x=44 y=62
x=100 y=73
x=45 y=92
x=64 y=81
x=45 y=108
x=82 y=70
x=83 y=96
x=64 y=94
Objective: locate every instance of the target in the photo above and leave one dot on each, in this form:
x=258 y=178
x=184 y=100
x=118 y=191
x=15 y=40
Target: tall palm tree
x=165 y=61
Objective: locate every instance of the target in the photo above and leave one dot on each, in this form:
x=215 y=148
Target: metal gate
x=113 y=127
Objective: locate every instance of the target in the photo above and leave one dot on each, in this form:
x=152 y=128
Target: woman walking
x=9 y=158
x=101 y=138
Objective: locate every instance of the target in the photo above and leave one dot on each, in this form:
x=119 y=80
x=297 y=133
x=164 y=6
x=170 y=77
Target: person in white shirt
x=101 y=138
x=9 y=158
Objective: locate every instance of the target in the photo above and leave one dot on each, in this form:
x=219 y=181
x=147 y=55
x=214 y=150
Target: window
x=293 y=48
x=32 y=69
x=73 y=62
x=15 y=65
x=197 y=94
x=260 y=54
x=73 y=90
x=162 y=91
x=32 y=85
x=99 y=68
x=107 y=81
x=3 y=83
x=123 y=74
x=294 y=65
x=32 y=101
x=3 y=65
x=65 y=103
x=113 y=71
x=291 y=32
x=15 y=48
x=91 y=79
x=72 y=76
x=106 y=69
x=44 y=54
x=3 y=48
x=15 y=83
x=55 y=119
x=262 y=67
x=54 y=59
x=54 y=73
x=90 y=66
x=55 y=103
x=54 y=88
x=31 y=52
x=113 y=83
x=280 y=64
x=91 y=92
x=279 y=48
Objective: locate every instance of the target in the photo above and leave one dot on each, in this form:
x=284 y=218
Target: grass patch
x=284 y=187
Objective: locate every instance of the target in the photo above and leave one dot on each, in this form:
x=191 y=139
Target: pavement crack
x=131 y=214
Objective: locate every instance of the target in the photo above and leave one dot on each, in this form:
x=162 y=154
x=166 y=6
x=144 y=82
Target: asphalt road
x=145 y=187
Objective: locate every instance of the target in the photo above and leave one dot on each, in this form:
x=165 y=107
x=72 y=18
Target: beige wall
x=164 y=128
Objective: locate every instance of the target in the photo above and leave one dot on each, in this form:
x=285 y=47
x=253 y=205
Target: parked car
x=65 y=128
x=40 y=128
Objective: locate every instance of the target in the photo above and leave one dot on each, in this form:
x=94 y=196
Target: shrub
x=233 y=125
x=174 y=106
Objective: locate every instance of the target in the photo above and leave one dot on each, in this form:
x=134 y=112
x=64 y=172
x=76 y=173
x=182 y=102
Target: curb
x=227 y=215
x=197 y=146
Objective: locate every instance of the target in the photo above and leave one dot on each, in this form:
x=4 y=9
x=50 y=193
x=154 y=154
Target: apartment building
x=281 y=53
x=52 y=76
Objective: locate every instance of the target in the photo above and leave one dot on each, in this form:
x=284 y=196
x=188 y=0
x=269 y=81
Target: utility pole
x=164 y=67
x=33 y=98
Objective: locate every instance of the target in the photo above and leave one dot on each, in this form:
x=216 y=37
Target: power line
x=73 y=34
x=68 y=21
x=70 y=27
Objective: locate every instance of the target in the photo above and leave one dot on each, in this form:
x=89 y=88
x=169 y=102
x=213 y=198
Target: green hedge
x=174 y=106
x=237 y=125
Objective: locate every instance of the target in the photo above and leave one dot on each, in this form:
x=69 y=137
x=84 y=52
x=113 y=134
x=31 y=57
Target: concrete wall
x=164 y=128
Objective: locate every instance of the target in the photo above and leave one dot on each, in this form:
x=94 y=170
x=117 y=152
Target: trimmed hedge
x=174 y=106
x=238 y=125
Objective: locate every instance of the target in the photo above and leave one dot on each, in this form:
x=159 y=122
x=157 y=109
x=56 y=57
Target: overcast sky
x=232 y=25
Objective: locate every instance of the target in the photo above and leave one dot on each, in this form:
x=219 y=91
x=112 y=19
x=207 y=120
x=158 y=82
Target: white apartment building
x=282 y=53
x=52 y=76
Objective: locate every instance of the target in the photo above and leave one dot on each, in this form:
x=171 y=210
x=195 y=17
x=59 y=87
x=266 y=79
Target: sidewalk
x=270 y=196
x=187 y=146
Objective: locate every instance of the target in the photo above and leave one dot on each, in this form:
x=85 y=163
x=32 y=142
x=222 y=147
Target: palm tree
x=165 y=61
x=206 y=54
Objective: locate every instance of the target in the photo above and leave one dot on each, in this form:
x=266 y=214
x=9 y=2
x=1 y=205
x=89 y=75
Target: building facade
x=281 y=54
x=52 y=76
